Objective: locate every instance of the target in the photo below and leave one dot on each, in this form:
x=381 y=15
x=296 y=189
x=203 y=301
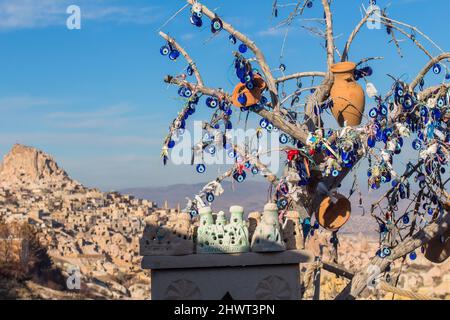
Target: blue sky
x=94 y=98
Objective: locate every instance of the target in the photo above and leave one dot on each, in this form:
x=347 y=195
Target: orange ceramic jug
x=332 y=216
x=347 y=95
x=253 y=96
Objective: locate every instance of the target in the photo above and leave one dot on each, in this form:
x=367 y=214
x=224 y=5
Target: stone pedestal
x=244 y=276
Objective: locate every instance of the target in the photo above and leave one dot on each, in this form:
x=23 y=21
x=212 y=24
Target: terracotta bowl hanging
x=332 y=216
x=437 y=251
x=253 y=96
x=347 y=95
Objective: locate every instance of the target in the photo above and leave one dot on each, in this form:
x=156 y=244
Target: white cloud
x=25 y=102
x=23 y=14
x=272 y=32
x=108 y=117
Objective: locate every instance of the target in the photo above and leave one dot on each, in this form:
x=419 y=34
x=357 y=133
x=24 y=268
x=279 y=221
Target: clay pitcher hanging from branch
x=347 y=95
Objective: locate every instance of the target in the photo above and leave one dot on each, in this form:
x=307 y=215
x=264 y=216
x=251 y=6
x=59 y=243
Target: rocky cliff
x=28 y=167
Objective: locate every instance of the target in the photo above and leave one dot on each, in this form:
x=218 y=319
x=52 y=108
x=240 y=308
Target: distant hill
x=250 y=194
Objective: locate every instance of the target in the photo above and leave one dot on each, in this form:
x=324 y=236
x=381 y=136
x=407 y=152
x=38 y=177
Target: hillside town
x=94 y=231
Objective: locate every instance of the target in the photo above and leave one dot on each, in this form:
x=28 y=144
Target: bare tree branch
x=426 y=68
x=185 y=55
x=299 y=75
x=252 y=46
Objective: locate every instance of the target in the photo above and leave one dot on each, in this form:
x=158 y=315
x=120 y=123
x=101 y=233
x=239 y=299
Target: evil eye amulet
x=242 y=48
x=201 y=168
x=371 y=141
x=232 y=39
x=408 y=102
x=174 y=55
x=284 y=138
x=335 y=173
x=417 y=144
x=282 y=203
x=216 y=25
x=209 y=197
x=242 y=99
x=264 y=123
x=437 y=68
x=211 y=149
x=255 y=170
x=190 y=71
x=196 y=20
x=193 y=213
x=239 y=177
x=373 y=113
x=165 y=50
x=269 y=127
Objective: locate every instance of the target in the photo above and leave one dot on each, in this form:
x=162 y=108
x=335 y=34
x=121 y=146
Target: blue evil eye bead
x=242 y=48
x=181 y=91
x=437 y=68
x=399 y=92
x=284 y=138
x=171 y=144
x=282 y=67
x=371 y=141
x=413 y=255
x=309 y=4
x=209 y=197
x=189 y=70
x=408 y=102
x=232 y=154
x=211 y=149
x=282 y=203
x=367 y=71
x=417 y=144
x=421 y=84
x=193 y=213
x=229 y=125
x=383 y=110
x=232 y=39
x=387 y=133
x=381 y=254
x=263 y=100
x=250 y=85
x=216 y=25
x=269 y=127
x=264 y=123
x=174 y=54
x=447 y=76
x=386 y=252
x=187 y=93
x=255 y=170
x=373 y=113
x=201 y=168
x=196 y=19
x=335 y=173
x=423 y=111
x=440 y=102
x=165 y=50
x=242 y=99
x=211 y=102
x=405 y=219
x=248 y=165
x=240 y=177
